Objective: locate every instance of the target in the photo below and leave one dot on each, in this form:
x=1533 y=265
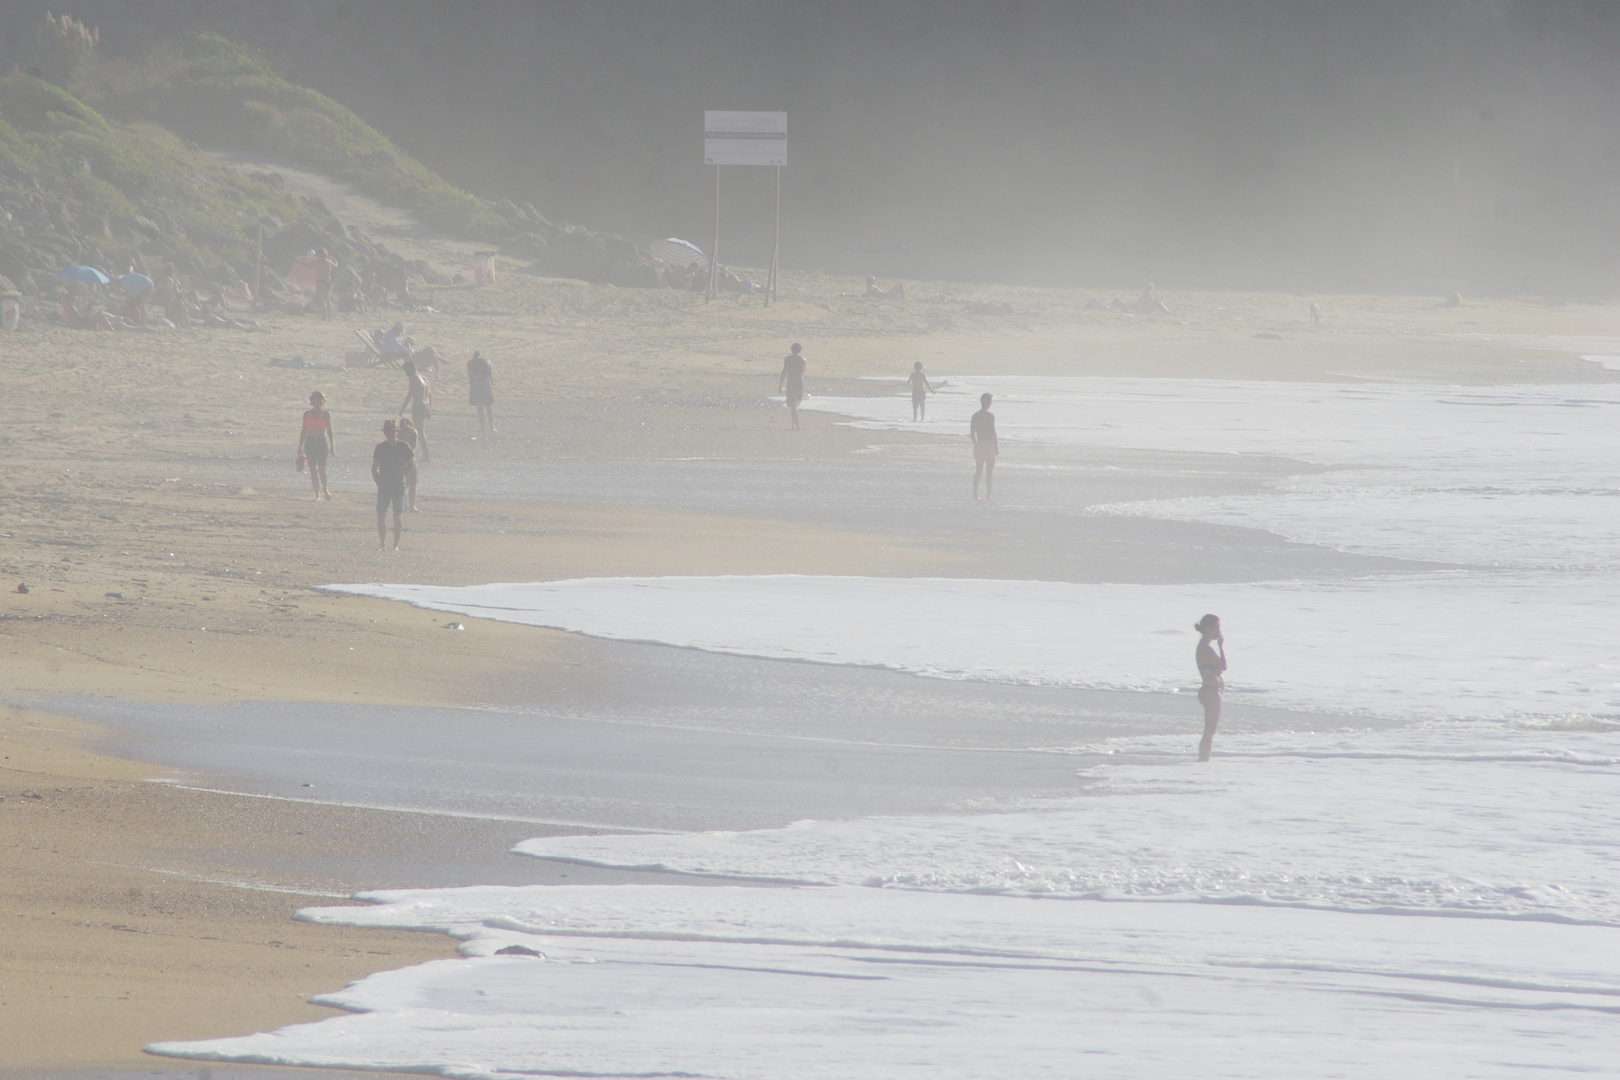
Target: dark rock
x=297 y=239
x=518 y=950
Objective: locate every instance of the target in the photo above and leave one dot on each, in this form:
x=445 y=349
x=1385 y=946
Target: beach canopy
x=137 y=285
x=677 y=252
x=89 y=275
x=305 y=272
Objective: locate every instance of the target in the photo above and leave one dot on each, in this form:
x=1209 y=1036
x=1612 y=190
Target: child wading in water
x=315 y=443
x=920 y=389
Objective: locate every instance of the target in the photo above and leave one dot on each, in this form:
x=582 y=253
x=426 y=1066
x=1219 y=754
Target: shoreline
x=164 y=566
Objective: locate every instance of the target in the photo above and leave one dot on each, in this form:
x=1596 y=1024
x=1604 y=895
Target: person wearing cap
x=392 y=465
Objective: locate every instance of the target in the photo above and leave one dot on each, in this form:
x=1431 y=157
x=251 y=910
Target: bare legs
x=382 y=528
x=483 y=412
x=1210 y=698
x=986 y=469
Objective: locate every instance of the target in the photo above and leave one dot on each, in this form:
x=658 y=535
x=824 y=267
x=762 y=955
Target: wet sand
x=170 y=552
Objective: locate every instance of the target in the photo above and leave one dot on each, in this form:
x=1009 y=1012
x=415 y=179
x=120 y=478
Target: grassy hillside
x=220 y=95
x=82 y=189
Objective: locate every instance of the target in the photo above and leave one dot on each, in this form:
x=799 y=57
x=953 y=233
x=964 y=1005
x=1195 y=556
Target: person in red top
x=315 y=443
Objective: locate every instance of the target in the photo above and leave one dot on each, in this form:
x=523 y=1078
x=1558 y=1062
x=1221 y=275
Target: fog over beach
x=689 y=710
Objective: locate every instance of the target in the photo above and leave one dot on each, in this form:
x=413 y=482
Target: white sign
x=744 y=138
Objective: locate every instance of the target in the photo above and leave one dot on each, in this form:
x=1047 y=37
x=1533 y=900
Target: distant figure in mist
x=1316 y=314
x=392 y=465
x=897 y=291
x=982 y=430
x=407 y=435
x=920 y=389
x=316 y=443
x=481 y=389
x=1211 y=667
x=792 y=381
x=419 y=399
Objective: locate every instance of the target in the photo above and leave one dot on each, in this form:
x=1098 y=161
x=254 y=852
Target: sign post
x=745 y=138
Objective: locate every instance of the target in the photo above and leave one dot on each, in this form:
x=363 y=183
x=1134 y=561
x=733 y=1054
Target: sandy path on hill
x=150 y=505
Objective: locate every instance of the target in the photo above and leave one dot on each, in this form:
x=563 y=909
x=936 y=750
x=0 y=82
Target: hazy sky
x=1470 y=144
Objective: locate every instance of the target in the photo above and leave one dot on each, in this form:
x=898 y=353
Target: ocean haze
x=1383 y=146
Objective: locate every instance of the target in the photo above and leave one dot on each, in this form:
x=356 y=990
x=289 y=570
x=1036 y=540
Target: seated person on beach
x=1148 y=303
x=395 y=344
x=897 y=291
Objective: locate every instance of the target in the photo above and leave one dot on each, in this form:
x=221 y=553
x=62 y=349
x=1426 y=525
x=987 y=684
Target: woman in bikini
x=1211 y=665
x=418 y=396
x=315 y=443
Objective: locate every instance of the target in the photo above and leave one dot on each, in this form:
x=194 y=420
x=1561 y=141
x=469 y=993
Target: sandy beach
x=170 y=554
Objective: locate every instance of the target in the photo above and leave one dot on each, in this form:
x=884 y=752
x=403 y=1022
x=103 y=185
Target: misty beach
x=460 y=621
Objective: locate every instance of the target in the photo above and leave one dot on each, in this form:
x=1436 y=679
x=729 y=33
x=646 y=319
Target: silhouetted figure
x=1211 y=666
x=1454 y=300
x=392 y=465
x=982 y=430
x=481 y=389
x=419 y=398
x=920 y=389
x=316 y=443
x=792 y=381
x=1316 y=314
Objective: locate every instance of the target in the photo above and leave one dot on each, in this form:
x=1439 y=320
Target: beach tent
x=89 y=275
x=304 y=273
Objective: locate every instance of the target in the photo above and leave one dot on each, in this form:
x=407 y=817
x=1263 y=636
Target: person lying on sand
x=897 y=291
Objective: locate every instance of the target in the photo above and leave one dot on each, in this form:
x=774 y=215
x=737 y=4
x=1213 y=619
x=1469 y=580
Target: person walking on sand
x=316 y=443
x=481 y=389
x=1211 y=666
x=920 y=389
x=392 y=466
x=407 y=435
x=419 y=398
x=792 y=379
x=982 y=430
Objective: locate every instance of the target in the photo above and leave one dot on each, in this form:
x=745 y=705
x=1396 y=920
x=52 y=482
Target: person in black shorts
x=792 y=378
x=392 y=464
x=920 y=389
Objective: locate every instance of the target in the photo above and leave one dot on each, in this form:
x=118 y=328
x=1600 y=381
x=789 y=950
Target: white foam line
x=470 y=814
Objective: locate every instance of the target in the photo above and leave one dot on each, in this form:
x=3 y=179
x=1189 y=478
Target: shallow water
x=1422 y=895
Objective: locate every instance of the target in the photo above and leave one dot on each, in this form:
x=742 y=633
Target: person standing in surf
x=982 y=430
x=1211 y=667
x=920 y=389
x=792 y=380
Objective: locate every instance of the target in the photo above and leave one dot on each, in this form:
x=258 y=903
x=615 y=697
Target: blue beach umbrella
x=89 y=275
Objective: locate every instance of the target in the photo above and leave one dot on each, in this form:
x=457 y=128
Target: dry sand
x=151 y=507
